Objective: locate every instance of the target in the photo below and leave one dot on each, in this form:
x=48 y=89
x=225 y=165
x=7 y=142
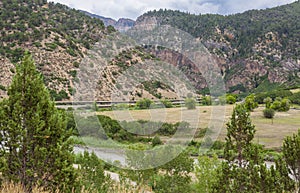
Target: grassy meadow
x=269 y=132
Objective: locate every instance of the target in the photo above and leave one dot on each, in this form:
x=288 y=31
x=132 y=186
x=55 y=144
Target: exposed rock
x=123 y=24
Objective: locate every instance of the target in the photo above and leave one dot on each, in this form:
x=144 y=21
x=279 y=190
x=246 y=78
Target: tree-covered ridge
x=57 y=36
x=31 y=22
x=242 y=30
x=257 y=47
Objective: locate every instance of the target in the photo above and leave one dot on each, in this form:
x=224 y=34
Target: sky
x=133 y=8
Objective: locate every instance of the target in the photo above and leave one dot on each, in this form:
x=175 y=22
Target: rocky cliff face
x=252 y=49
x=123 y=24
x=240 y=74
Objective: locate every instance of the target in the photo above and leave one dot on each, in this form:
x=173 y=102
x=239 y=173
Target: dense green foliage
x=144 y=103
x=206 y=100
x=291 y=155
x=168 y=178
x=250 y=103
x=176 y=178
x=91 y=173
x=206 y=171
x=230 y=99
x=132 y=131
x=260 y=97
x=281 y=104
x=2 y=88
x=35 y=145
x=295 y=98
x=156 y=141
x=227 y=99
x=59 y=96
x=246 y=27
x=243 y=169
x=166 y=103
x=268 y=101
x=33 y=21
x=269 y=113
x=190 y=103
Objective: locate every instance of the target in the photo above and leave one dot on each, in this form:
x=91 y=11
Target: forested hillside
x=57 y=36
x=258 y=47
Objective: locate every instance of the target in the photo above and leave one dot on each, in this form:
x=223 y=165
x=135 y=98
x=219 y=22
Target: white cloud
x=134 y=8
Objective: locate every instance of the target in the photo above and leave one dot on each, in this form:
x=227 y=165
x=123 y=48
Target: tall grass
x=116 y=187
x=17 y=188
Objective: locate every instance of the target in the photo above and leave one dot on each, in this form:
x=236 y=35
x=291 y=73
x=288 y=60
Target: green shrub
x=281 y=105
x=71 y=52
x=2 y=87
x=167 y=103
x=73 y=73
x=156 y=141
x=230 y=99
x=51 y=46
x=285 y=105
x=121 y=106
x=144 y=103
x=63 y=94
x=259 y=97
x=58 y=96
x=295 y=98
x=268 y=101
x=222 y=100
x=269 y=113
x=250 y=102
x=91 y=172
x=190 y=103
x=206 y=100
x=218 y=145
x=276 y=105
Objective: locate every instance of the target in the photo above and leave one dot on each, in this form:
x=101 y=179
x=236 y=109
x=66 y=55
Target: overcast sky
x=133 y=8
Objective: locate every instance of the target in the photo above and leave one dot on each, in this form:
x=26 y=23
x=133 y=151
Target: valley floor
x=270 y=133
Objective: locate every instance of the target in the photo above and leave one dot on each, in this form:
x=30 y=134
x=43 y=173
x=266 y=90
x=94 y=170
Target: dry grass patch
x=271 y=133
x=268 y=134
x=17 y=188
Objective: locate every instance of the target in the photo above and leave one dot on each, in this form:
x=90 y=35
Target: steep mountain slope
x=58 y=38
x=253 y=49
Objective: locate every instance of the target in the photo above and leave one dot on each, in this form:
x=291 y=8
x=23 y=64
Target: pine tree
x=243 y=169
x=234 y=174
x=291 y=156
x=35 y=143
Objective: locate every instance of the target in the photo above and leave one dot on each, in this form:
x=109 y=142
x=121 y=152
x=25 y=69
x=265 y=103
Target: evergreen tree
x=240 y=133
x=35 y=143
x=243 y=169
x=291 y=155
